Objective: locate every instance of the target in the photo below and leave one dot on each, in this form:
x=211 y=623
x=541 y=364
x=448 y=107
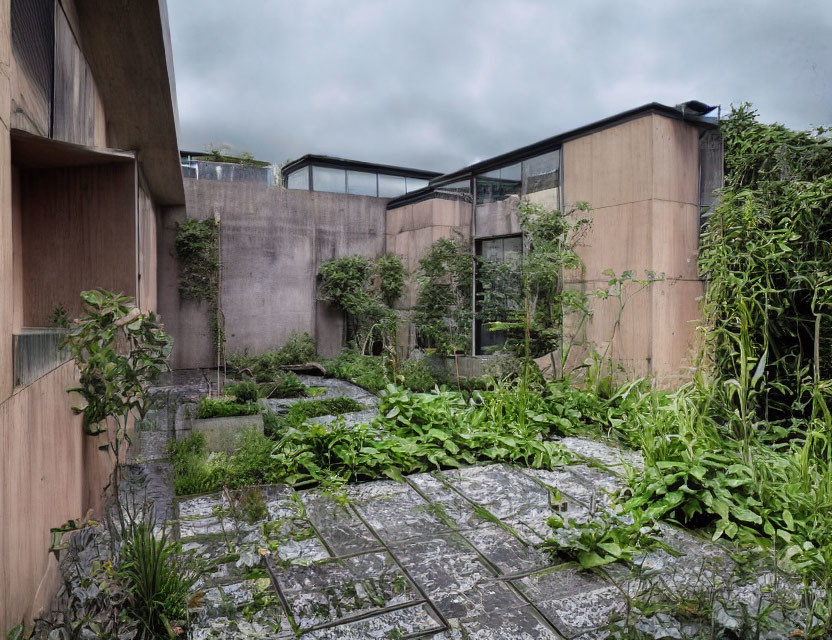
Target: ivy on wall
x=364 y=290
x=197 y=249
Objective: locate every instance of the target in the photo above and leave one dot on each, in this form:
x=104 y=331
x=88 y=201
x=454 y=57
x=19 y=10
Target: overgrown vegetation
x=267 y=368
x=444 y=310
x=223 y=408
x=365 y=290
x=744 y=450
x=197 y=251
x=302 y=410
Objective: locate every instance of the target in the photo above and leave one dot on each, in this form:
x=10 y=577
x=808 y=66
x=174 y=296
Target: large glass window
x=298 y=179
x=416 y=183
x=461 y=186
x=498 y=287
x=542 y=172
x=361 y=183
x=391 y=186
x=328 y=179
x=497 y=185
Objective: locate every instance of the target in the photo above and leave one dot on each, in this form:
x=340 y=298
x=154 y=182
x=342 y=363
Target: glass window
x=298 y=179
x=391 y=186
x=415 y=183
x=498 y=287
x=497 y=185
x=542 y=172
x=361 y=183
x=461 y=186
x=328 y=179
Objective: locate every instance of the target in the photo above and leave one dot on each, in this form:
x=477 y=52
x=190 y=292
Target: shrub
x=298 y=349
x=193 y=471
x=416 y=375
x=300 y=412
x=216 y=408
x=365 y=371
x=243 y=392
x=286 y=384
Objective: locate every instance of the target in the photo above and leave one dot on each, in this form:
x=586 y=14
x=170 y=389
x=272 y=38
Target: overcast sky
x=438 y=84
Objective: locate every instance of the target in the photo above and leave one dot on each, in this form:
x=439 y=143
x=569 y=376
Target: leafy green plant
x=369 y=372
x=266 y=367
x=119 y=352
x=355 y=285
x=416 y=375
x=158 y=578
x=224 y=408
x=197 y=252
x=443 y=312
x=59 y=317
x=193 y=470
x=243 y=392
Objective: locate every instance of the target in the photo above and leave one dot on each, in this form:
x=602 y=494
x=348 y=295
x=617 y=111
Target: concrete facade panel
x=675 y=160
x=47 y=464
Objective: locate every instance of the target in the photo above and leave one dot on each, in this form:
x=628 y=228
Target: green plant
x=416 y=375
x=443 y=312
x=197 y=251
x=391 y=274
x=369 y=372
x=302 y=410
x=59 y=317
x=158 y=578
x=347 y=283
x=243 y=392
x=220 y=408
x=193 y=470
x=266 y=367
x=119 y=352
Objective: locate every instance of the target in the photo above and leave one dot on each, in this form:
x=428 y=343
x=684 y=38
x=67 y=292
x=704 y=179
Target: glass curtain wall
x=536 y=179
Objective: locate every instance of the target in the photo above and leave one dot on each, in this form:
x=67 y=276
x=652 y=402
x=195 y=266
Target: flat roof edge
x=359 y=165
x=552 y=143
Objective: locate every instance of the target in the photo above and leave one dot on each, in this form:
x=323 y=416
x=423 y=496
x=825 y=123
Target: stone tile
x=453 y=576
x=395 y=511
x=512 y=497
x=292 y=540
x=329 y=592
x=406 y=622
x=205 y=527
x=574 y=601
x=523 y=623
x=605 y=454
x=505 y=551
x=339 y=526
x=454 y=507
x=201 y=506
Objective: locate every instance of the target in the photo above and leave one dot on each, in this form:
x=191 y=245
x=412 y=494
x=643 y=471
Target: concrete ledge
x=223 y=434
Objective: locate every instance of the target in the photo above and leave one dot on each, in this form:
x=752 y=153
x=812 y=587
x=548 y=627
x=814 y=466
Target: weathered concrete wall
x=411 y=230
x=51 y=472
x=272 y=242
x=641 y=179
x=78 y=232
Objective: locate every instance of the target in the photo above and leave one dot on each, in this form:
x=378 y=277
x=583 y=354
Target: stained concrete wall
x=272 y=242
x=641 y=180
x=64 y=228
x=50 y=473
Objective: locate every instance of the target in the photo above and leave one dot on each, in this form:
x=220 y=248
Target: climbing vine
x=364 y=290
x=197 y=248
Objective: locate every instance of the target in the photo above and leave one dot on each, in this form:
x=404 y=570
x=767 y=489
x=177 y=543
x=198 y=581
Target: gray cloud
x=439 y=84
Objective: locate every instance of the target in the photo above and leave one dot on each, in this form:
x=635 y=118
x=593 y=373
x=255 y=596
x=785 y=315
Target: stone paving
x=446 y=555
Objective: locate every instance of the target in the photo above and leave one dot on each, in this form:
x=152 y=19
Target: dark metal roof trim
x=550 y=144
x=427 y=193
x=356 y=165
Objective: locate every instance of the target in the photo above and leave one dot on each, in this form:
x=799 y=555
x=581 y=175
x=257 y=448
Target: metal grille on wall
x=33 y=42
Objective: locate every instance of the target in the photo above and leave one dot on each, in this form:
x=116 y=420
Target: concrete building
x=647 y=174
x=88 y=162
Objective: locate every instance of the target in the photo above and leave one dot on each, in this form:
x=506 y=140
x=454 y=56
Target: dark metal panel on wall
x=33 y=47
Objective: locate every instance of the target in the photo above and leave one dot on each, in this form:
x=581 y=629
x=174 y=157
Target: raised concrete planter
x=223 y=434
